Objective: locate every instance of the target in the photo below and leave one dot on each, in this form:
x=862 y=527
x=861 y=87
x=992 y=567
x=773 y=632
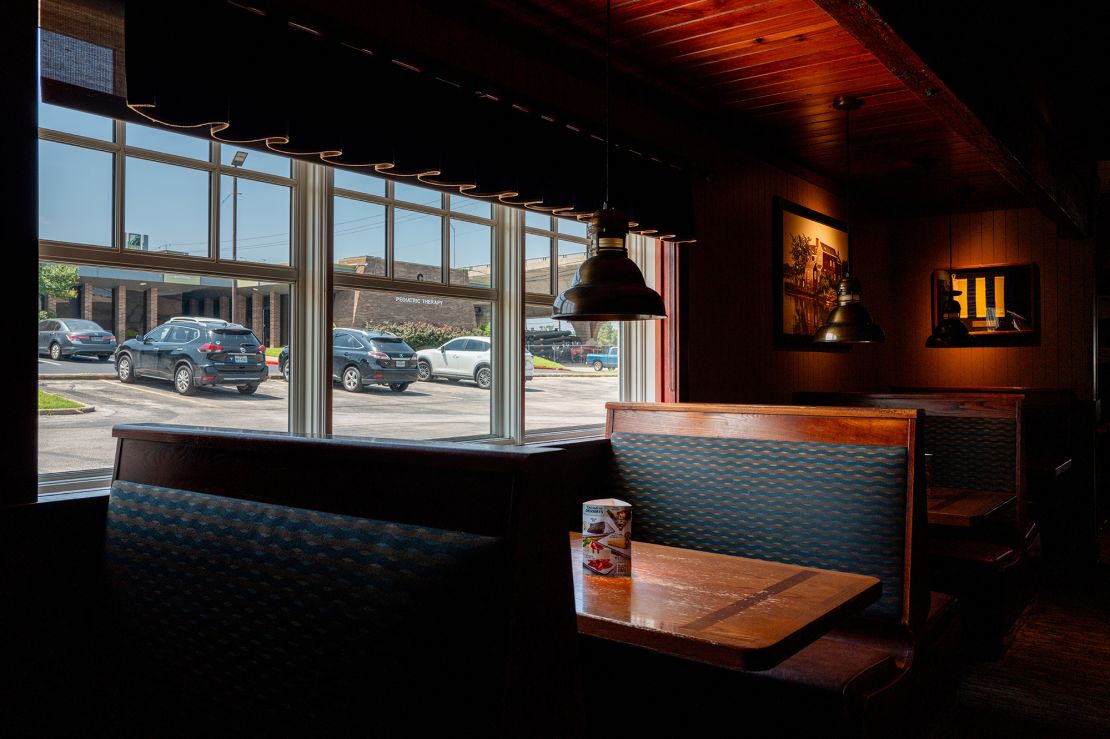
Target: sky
x=167 y=205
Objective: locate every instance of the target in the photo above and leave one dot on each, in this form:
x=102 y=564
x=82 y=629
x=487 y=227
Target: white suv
x=466 y=357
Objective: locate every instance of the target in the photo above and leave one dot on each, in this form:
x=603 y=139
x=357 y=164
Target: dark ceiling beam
x=1044 y=175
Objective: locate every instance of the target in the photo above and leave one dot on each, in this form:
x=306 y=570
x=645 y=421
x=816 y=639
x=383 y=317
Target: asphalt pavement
x=427 y=410
x=85 y=366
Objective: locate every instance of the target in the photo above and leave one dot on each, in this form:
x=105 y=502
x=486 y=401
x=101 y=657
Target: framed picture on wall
x=809 y=252
x=999 y=303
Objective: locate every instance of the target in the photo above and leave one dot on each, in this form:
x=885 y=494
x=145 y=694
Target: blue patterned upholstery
x=974 y=453
x=831 y=506
x=299 y=615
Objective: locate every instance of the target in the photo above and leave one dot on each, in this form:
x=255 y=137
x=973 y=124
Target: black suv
x=361 y=358
x=194 y=352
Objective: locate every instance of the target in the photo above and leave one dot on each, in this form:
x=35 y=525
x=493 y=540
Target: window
x=256 y=161
x=417 y=246
x=124 y=332
x=157 y=139
x=345 y=179
x=358 y=233
x=254 y=221
x=75 y=194
x=420 y=295
x=166 y=206
x=421 y=372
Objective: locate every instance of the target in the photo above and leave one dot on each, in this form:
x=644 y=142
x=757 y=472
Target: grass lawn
x=541 y=363
x=50 y=401
x=273 y=351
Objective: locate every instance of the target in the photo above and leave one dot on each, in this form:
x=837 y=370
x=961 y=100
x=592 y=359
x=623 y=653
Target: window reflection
x=166 y=208
x=417 y=246
x=75 y=194
x=254 y=224
x=359 y=236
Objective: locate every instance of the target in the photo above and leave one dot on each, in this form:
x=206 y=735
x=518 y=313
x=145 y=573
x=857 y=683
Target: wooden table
x=965 y=508
x=742 y=614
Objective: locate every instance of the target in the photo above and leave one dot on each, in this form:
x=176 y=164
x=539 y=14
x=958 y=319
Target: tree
x=801 y=249
x=58 y=280
x=607 y=334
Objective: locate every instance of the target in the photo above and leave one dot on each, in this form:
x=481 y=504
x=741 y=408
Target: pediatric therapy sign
x=419 y=301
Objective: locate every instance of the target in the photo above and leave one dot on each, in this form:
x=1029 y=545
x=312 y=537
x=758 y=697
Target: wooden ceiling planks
x=775 y=66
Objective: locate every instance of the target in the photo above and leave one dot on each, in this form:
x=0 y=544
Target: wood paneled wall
x=1067 y=278
x=727 y=328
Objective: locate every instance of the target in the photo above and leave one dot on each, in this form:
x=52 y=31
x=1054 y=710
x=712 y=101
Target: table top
x=966 y=508
x=742 y=614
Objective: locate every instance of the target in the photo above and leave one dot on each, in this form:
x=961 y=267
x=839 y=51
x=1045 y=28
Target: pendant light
x=849 y=322
x=950 y=331
x=608 y=286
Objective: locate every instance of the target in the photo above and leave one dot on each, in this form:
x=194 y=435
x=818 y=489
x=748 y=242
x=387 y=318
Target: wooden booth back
x=975 y=438
x=830 y=488
x=271 y=583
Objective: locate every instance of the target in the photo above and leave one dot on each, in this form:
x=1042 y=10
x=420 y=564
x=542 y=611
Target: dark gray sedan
x=61 y=338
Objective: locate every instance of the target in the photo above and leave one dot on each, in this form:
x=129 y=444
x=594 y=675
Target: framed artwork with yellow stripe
x=999 y=303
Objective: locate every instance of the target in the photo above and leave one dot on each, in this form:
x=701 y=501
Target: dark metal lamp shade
x=608 y=286
x=849 y=322
x=950 y=331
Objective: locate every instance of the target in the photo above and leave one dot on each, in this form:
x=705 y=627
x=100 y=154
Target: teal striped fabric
x=832 y=506
x=974 y=453
x=268 y=609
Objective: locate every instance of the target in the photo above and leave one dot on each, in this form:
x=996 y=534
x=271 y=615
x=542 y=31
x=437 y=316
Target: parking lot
x=428 y=410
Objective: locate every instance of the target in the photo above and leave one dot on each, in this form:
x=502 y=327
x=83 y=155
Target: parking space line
x=51 y=361
x=160 y=393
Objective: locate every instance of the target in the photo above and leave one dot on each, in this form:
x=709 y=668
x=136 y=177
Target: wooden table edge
x=947 y=518
x=702 y=649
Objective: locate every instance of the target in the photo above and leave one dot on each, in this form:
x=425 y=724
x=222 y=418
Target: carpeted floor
x=1054 y=680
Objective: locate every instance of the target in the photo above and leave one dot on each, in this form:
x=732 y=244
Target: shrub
x=424 y=335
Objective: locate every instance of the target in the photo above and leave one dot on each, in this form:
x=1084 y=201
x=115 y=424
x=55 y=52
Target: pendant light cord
x=608 y=64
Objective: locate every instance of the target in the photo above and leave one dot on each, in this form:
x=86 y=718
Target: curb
x=571 y=373
x=66 y=411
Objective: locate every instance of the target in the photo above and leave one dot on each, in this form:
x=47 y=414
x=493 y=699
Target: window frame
x=312 y=279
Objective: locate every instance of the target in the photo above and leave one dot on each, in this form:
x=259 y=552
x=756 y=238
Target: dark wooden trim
x=1047 y=179
x=872 y=427
x=461 y=486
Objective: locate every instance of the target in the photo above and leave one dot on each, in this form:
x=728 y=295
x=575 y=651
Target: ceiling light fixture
x=849 y=322
x=608 y=286
x=950 y=331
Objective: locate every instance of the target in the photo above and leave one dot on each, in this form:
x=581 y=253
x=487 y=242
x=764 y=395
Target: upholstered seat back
x=972 y=453
x=832 y=506
x=297 y=619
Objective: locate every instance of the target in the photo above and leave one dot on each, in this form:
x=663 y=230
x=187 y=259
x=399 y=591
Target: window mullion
x=310 y=307
x=637 y=340
x=507 y=410
x=118 y=185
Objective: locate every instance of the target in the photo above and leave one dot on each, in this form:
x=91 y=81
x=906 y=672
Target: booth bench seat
x=829 y=488
x=264 y=584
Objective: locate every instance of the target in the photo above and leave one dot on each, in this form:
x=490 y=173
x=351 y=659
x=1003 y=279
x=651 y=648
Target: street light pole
x=236 y=162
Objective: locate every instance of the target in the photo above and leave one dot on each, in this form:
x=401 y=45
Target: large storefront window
x=411 y=366
x=576 y=367
x=111 y=351
x=141 y=225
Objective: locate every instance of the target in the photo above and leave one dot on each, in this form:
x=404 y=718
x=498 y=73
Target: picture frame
x=999 y=303
x=809 y=253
